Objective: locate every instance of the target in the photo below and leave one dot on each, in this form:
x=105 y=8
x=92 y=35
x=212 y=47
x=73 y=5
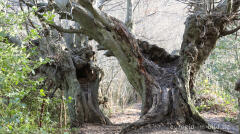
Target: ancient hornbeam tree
x=165 y=82
x=71 y=70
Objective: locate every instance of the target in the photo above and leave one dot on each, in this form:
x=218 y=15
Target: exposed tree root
x=141 y=123
x=135 y=125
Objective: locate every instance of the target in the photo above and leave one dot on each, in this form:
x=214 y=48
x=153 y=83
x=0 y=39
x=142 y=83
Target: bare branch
x=224 y=33
x=136 y=5
x=61 y=29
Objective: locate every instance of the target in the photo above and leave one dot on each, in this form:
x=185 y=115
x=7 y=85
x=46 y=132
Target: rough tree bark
x=165 y=82
x=71 y=70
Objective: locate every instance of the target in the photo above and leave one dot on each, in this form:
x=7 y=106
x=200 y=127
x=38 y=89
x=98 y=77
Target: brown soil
x=131 y=114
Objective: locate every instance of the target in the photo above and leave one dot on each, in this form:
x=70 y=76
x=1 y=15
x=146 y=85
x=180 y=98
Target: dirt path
x=132 y=113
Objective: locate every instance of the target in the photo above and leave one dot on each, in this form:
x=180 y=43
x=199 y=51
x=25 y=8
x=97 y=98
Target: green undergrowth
x=213 y=98
x=216 y=80
x=22 y=95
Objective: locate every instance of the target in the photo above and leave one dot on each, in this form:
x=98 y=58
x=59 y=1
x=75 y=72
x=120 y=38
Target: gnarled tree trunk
x=71 y=70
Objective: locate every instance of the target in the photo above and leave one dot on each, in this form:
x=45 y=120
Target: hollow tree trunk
x=173 y=99
x=71 y=70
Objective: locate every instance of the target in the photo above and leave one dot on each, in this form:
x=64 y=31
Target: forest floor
x=132 y=113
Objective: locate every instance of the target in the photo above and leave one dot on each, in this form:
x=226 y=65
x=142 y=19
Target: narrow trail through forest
x=132 y=113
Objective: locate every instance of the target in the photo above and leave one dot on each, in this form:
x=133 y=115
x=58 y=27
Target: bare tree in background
x=129 y=15
x=165 y=82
